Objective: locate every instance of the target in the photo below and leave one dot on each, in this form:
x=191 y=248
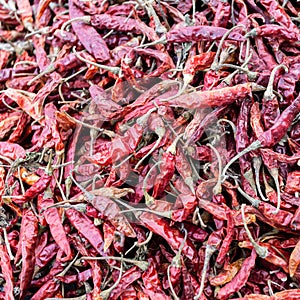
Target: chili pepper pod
x=240 y=279
x=7 y=271
x=167 y=170
x=49 y=289
x=270 y=30
x=53 y=219
x=214 y=98
x=171 y=235
x=87 y=228
x=28 y=239
x=88 y=36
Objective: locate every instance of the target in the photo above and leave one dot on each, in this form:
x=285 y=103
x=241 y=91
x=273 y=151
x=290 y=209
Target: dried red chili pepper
x=240 y=279
x=49 y=289
x=172 y=235
x=88 y=36
x=53 y=219
x=7 y=271
x=28 y=239
x=87 y=228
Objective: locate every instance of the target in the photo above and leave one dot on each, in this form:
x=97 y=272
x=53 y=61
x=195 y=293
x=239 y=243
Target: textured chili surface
x=149 y=149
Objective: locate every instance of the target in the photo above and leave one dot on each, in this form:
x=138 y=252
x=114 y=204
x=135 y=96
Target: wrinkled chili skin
x=88 y=35
x=7 y=271
x=172 y=235
x=240 y=279
x=28 y=244
x=278 y=130
x=86 y=227
x=199 y=33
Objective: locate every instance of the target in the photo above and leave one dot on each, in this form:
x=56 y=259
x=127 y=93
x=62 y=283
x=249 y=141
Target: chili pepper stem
x=114 y=70
x=261 y=251
x=215 y=64
x=7 y=244
x=255 y=145
x=251 y=75
x=257 y=162
x=162 y=40
x=84 y=19
x=274 y=174
x=268 y=95
x=254 y=202
x=209 y=251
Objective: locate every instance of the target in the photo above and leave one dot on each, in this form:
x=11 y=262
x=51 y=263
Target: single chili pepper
x=53 y=219
x=270 y=109
x=19 y=132
x=228 y=273
x=7 y=271
x=287 y=83
x=184 y=168
x=26 y=14
x=12 y=151
x=167 y=170
x=271 y=256
x=151 y=278
x=227 y=240
x=214 y=98
x=199 y=33
x=294 y=260
x=43 y=257
x=86 y=227
x=240 y=279
x=271 y=30
x=28 y=239
x=88 y=35
x=127 y=278
x=49 y=289
x=172 y=235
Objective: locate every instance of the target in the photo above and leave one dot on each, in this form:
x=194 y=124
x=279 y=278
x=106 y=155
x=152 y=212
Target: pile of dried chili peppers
x=150 y=149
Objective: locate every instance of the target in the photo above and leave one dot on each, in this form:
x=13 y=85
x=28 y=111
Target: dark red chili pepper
x=49 y=289
x=53 y=219
x=28 y=239
x=172 y=235
x=87 y=228
x=7 y=271
x=127 y=278
x=199 y=33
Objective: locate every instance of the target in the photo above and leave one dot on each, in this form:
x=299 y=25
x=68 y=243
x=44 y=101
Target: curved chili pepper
x=88 y=36
x=87 y=228
x=240 y=279
x=172 y=235
x=49 y=289
x=7 y=271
